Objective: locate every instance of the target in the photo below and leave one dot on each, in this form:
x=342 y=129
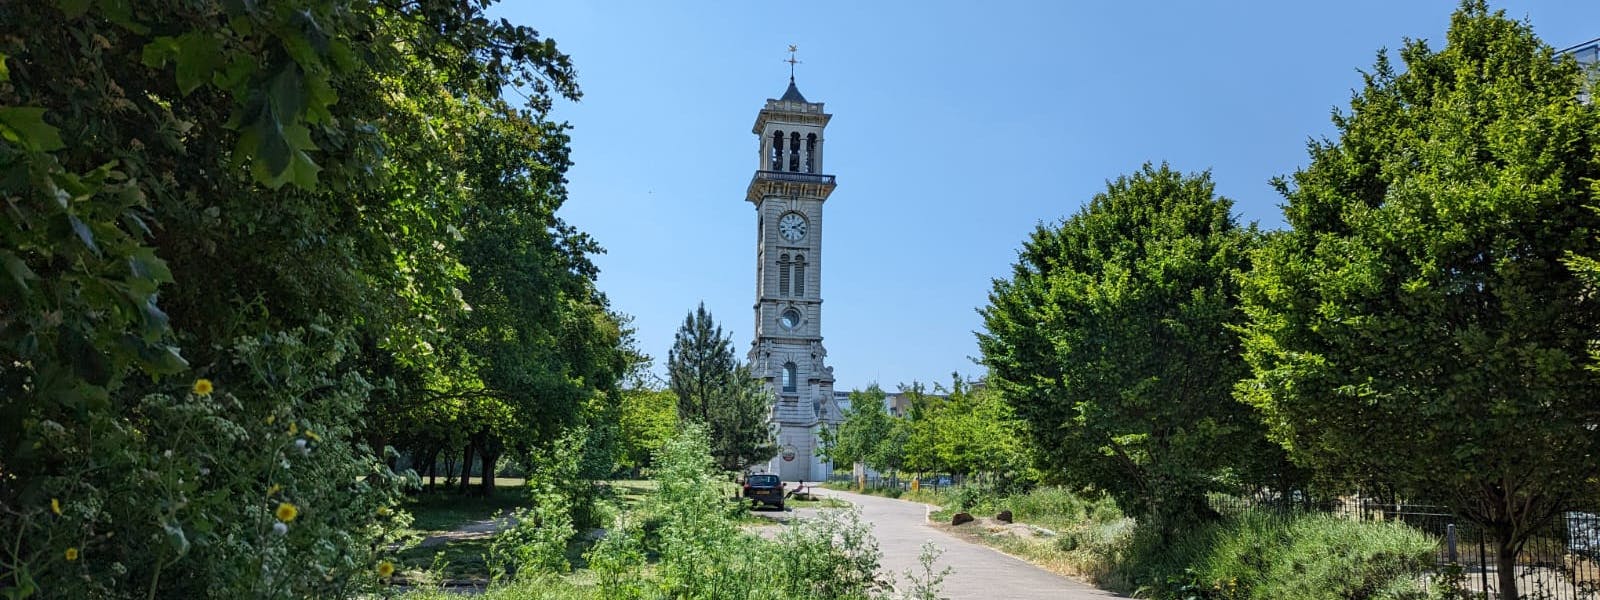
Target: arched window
x=783 y=275
x=811 y=153
x=777 y=151
x=799 y=274
x=794 y=151
x=788 y=377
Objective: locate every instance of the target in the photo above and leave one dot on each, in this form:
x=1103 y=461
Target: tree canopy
x=248 y=245
x=715 y=390
x=1112 y=342
x=1418 y=330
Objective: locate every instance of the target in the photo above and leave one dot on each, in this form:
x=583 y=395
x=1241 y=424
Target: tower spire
x=792 y=61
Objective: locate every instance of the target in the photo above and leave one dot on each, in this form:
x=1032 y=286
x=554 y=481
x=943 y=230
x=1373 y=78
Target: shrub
x=1274 y=556
x=251 y=486
x=831 y=556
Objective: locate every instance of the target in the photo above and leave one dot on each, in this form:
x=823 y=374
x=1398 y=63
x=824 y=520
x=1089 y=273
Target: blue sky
x=958 y=126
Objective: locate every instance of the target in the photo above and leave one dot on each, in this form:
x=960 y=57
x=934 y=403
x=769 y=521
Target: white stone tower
x=788 y=191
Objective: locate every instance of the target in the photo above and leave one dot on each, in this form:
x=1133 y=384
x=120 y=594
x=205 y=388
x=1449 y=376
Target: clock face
x=790 y=319
x=792 y=227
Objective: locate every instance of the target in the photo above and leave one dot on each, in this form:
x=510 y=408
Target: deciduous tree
x=1417 y=330
x=1111 y=340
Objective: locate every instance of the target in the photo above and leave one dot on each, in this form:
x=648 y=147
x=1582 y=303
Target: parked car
x=764 y=488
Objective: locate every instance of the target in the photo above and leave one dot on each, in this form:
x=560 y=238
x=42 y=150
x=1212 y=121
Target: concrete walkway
x=980 y=572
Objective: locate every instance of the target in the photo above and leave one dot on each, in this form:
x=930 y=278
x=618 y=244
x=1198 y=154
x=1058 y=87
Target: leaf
x=19 y=270
x=156 y=321
x=121 y=13
x=160 y=50
x=25 y=126
x=158 y=359
x=86 y=360
x=5 y=72
x=199 y=55
x=145 y=265
x=84 y=233
x=73 y=8
x=237 y=71
x=175 y=536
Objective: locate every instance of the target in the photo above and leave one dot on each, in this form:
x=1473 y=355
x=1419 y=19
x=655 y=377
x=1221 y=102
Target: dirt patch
x=470 y=531
x=993 y=526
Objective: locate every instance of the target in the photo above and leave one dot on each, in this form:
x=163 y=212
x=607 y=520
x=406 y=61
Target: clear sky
x=957 y=127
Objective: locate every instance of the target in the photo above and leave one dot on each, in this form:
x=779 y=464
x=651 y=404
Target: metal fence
x=901 y=482
x=1560 y=562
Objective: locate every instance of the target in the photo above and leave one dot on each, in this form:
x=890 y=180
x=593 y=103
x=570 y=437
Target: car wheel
x=780 y=506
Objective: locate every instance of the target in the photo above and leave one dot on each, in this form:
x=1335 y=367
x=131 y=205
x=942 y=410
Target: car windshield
x=763 y=480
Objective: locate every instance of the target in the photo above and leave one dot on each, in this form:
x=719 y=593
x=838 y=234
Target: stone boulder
x=960 y=518
x=1003 y=517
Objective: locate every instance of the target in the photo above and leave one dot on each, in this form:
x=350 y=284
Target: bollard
x=1450 y=539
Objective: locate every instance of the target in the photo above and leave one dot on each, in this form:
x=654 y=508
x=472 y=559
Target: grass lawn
x=629 y=493
x=447 y=510
x=440 y=510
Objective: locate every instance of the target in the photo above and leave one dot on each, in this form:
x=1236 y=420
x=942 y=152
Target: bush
x=249 y=486
x=1273 y=556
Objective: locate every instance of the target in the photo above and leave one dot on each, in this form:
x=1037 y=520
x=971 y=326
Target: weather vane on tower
x=792 y=61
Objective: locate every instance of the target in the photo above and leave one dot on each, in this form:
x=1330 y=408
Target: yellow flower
x=72 y=554
x=385 y=569
x=287 y=512
x=312 y=435
x=202 y=387
x=383 y=511
x=274 y=489
x=55 y=506
x=294 y=428
x=271 y=418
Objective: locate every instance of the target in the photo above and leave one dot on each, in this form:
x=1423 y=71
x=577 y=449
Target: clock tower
x=788 y=191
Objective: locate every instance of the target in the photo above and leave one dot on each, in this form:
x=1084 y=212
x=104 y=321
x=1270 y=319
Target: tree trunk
x=1506 y=566
x=486 y=488
x=433 y=467
x=466 y=467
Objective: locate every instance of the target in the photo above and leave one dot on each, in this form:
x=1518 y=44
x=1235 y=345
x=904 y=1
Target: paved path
x=980 y=572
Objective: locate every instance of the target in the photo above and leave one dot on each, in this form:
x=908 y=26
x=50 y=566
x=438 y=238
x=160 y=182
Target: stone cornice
x=782 y=183
x=799 y=113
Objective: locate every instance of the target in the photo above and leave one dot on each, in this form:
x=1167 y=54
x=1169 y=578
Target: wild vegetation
x=252 y=248
x=261 y=258
x=686 y=541
x=962 y=429
x=1423 y=330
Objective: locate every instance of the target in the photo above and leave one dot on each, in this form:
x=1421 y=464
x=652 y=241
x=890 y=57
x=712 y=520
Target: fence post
x=1450 y=538
x=1483 y=566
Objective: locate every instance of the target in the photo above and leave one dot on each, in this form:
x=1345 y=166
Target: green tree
x=713 y=389
x=978 y=433
x=291 y=200
x=699 y=365
x=866 y=426
x=741 y=426
x=1111 y=340
x=648 y=418
x=920 y=450
x=1417 y=330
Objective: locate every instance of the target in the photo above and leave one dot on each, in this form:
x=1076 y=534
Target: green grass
x=439 y=510
x=629 y=493
x=1253 y=555
x=446 y=510
x=546 y=588
x=818 y=503
x=939 y=497
x=459 y=560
